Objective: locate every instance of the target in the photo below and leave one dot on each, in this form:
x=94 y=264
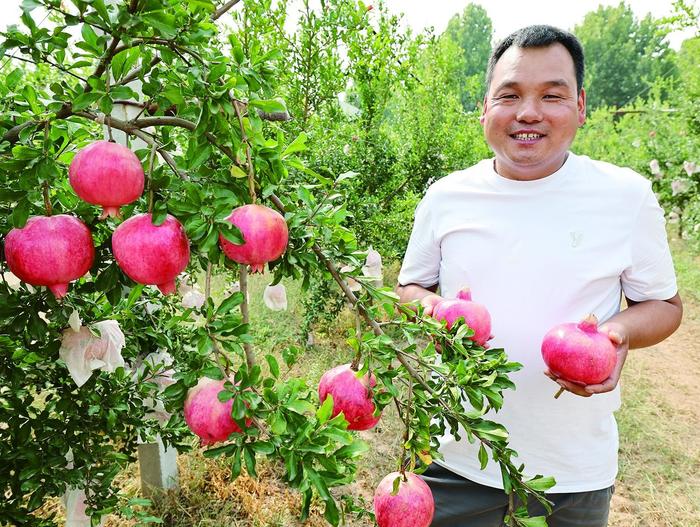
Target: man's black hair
x=538 y=37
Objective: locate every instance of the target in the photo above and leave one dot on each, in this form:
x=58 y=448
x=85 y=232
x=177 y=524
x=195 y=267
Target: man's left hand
x=618 y=336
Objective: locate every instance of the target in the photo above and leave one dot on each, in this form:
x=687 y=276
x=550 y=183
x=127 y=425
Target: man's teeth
x=527 y=136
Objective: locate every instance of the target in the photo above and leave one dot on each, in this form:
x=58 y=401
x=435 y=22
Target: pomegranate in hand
x=107 y=174
x=50 y=251
x=265 y=236
x=151 y=254
x=351 y=395
x=475 y=315
x=412 y=506
x=579 y=353
x=206 y=416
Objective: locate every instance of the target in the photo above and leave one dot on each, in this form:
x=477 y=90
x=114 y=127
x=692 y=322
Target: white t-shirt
x=537 y=254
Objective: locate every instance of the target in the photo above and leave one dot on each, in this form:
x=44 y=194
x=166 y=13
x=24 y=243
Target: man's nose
x=529 y=110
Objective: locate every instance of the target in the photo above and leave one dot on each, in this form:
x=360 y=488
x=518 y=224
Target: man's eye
x=549 y=96
x=509 y=96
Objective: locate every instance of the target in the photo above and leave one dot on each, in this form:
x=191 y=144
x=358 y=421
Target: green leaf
x=249 y=457
x=164 y=22
x=346 y=175
x=483 y=456
x=174 y=95
x=353 y=450
x=274 y=366
x=231 y=233
x=325 y=410
x=30 y=96
x=536 y=521
x=238 y=172
x=301 y=406
x=263 y=447
x=542 y=483
x=84 y=100
x=90 y=36
x=13 y=78
x=269 y=105
x=220 y=451
x=160 y=213
x=236 y=299
x=20 y=214
x=278 y=424
x=298 y=145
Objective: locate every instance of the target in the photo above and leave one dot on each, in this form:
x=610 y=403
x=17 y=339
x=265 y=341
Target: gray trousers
x=460 y=502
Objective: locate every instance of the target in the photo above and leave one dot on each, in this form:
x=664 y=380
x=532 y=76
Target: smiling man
x=542 y=236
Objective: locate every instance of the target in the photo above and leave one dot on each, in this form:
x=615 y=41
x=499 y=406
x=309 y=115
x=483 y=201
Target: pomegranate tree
x=579 y=353
x=50 y=251
x=475 y=315
x=206 y=416
x=265 y=236
x=107 y=174
x=411 y=506
x=151 y=254
x=351 y=395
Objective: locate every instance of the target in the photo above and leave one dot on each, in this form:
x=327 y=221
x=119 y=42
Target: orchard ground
x=659 y=431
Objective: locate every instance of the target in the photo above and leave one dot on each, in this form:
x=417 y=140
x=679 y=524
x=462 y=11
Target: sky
x=506 y=15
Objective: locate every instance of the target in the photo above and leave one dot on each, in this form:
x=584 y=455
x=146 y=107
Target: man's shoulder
x=612 y=175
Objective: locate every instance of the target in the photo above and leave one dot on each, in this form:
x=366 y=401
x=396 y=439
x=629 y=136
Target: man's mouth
x=527 y=136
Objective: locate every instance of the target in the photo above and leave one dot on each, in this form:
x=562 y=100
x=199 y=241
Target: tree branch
x=223 y=9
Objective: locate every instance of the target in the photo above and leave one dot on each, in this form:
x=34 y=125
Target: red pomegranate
x=475 y=315
x=351 y=395
x=579 y=353
x=50 y=251
x=151 y=254
x=265 y=236
x=107 y=174
x=206 y=416
x=412 y=506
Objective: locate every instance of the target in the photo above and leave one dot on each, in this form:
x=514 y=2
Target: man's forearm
x=649 y=322
x=411 y=292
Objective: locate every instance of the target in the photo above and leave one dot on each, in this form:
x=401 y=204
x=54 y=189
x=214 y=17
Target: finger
x=601 y=388
x=573 y=388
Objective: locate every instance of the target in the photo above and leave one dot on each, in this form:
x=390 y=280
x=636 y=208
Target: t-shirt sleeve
x=421 y=265
x=650 y=275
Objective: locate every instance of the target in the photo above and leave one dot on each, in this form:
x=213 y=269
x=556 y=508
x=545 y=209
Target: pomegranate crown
x=589 y=323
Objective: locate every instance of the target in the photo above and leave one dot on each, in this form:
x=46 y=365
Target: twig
x=47 y=201
x=245 y=315
x=61 y=68
x=244 y=138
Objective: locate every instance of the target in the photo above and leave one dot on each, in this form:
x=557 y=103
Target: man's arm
x=641 y=325
x=428 y=298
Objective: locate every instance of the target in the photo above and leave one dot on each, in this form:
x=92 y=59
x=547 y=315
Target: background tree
x=472 y=31
x=623 y=55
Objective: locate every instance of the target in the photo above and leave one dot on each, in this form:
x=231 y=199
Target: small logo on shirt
x=576 y=238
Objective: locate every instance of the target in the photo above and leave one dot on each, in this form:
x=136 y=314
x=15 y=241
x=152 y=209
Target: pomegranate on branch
x=411 y=506
x=50 y=251
x=107 y=174
x=151 y=254
x=265 y=236
x=206 y=416
x=351 y=395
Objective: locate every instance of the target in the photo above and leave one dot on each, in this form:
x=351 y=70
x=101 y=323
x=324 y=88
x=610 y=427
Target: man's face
x=532 y=111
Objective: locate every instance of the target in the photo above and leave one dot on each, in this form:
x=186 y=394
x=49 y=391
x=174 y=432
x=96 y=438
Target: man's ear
x=581 y=105
x=484 y=107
